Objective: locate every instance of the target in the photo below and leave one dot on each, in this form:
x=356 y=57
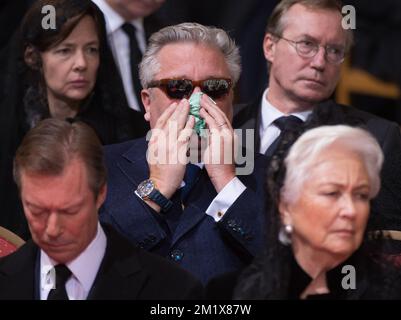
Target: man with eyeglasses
x=304 y=46
x=200 y=215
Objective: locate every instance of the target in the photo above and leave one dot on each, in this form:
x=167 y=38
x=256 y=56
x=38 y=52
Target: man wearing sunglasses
x=305 y=45
x=200 y=215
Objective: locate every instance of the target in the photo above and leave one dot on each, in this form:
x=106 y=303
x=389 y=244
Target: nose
x=319 y=60
x=80 y=61
x=197 y=89
x=53 y=226
x=348 y=208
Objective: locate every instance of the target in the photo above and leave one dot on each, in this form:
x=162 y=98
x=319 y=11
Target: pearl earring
x=284 y=235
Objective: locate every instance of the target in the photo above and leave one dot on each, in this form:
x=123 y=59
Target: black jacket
x=126 y=272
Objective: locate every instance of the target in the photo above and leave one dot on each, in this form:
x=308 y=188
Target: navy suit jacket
x=386 y=207
x=188 y=236
x=126 y=272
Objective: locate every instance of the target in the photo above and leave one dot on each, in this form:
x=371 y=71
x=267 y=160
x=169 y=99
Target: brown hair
x=68 y=14
x=275 y=25
x=49 y=147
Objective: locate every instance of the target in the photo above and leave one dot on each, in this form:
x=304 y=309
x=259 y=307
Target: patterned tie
x=285 y=124
x=62 y=275
x=190 y=178
x=135 y=58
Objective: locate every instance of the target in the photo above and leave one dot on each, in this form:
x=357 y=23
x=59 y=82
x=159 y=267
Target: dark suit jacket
x=386 y=207
x=126 y=272
x=190 y=237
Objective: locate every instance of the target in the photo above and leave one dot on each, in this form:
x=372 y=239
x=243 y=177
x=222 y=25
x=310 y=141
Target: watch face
x=145 y=188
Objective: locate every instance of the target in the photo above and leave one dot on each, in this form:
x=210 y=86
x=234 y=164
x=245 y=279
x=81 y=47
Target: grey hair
x=192 y=33
x=302 y=156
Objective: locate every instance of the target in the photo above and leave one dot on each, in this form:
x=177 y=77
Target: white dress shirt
x=84 y=269
x=225 y=198
x=119 y=44
x=268 y=132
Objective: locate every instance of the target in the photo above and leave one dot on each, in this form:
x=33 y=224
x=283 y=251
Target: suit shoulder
x=12 y=262
x=332 y=113
x=245 y=112
x=116 y=150
x=367 y=117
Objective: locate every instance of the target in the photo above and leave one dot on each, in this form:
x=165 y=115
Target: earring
x=284 y=235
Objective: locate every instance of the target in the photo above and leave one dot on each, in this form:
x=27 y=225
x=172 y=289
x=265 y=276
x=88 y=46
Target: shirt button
x=176 y=255
x=219 y=214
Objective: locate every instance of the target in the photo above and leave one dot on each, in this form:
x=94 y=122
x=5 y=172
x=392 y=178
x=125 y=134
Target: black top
x=373 y=281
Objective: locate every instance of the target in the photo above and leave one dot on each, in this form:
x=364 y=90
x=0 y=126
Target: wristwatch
x=146 y=190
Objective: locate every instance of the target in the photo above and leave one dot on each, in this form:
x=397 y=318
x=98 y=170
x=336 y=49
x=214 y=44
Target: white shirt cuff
x=226 y=197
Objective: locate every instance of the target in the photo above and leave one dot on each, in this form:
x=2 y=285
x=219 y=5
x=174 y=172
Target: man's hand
x=219 y=153
x=167 y=149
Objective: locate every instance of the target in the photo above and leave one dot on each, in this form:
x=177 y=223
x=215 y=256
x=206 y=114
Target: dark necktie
x=62 y=275
x=190 y=178
x=135 y=56
x=285 y=124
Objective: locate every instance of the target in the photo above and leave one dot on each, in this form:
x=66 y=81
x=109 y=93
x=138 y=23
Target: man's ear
x=101 y=197
x=269 y=47
x=32 y=58
x=146 y=99
x=285 y=214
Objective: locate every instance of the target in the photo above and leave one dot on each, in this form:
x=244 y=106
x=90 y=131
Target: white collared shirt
x=119 y=44
x=225 y=198
x=268 y=132
x=84 y=269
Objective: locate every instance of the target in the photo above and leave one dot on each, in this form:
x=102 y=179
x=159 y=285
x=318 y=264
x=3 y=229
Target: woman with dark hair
x=69 y=70
x=320 y=203
x=64 y=71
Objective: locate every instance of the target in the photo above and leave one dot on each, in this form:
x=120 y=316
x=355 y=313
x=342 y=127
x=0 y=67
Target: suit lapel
x=248 y=117
x=199 y=199
x=270 y=150
x=133 y=162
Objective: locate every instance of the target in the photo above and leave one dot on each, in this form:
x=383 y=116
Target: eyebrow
x=311 y=38
x=361 y=186
x=72 y=44
x=306 y=36
x=39 y=207
x=93 y=42
x=34 y=206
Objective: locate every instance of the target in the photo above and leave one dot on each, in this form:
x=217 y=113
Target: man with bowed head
x=61 y=176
